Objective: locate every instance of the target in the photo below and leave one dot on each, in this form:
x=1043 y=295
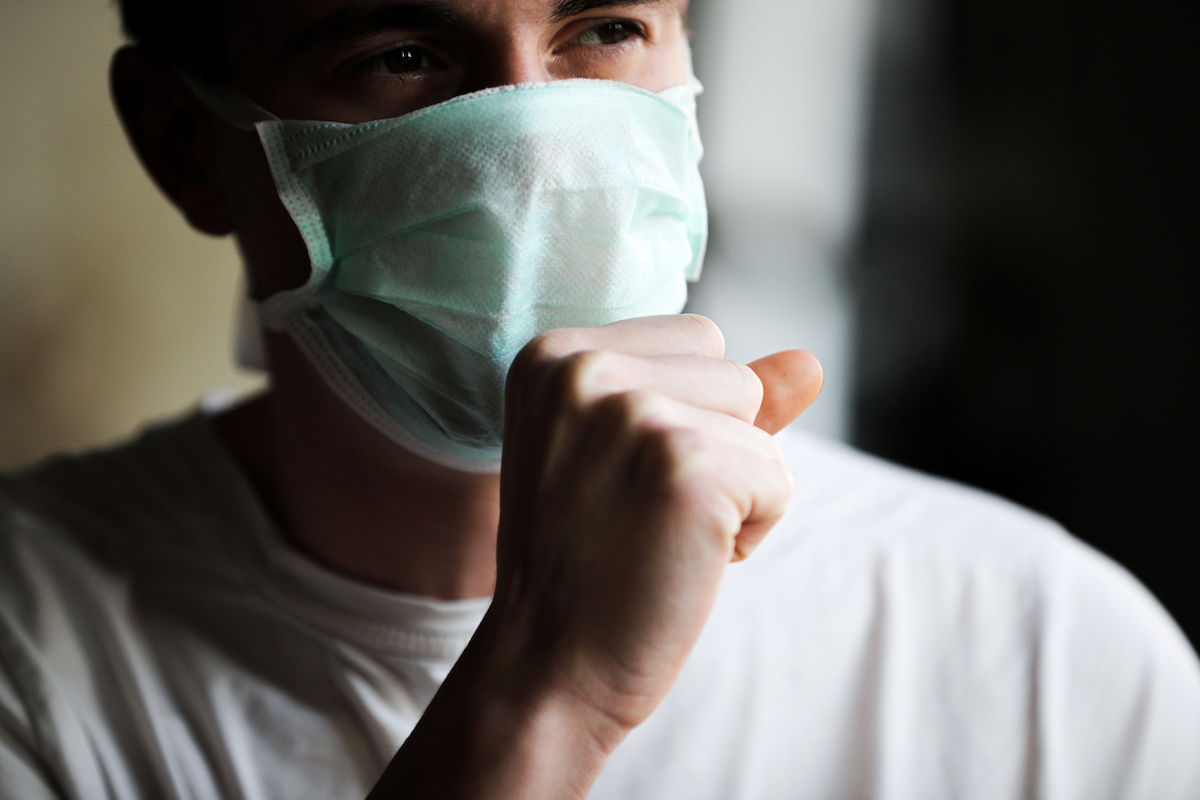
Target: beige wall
x=112 y=311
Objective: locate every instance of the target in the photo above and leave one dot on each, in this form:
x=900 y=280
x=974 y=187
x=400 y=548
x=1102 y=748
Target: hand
x=637 y=464
x=633 y=474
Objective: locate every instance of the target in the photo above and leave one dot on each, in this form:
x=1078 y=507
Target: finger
x=708 y=383
x=673 y=334
x=768 y=486
x=619 y=419
x=540 y=372
x=791 y=381
x=664 y=411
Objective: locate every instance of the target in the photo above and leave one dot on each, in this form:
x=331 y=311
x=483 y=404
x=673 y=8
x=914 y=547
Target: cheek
x=272 y=249
x=667 y=64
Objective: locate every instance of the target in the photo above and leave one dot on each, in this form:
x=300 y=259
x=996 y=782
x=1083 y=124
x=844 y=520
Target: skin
x=638 y=463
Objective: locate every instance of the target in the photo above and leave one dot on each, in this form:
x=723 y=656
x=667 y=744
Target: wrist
x=539 y=746
x=502 y=727
x=519 y=685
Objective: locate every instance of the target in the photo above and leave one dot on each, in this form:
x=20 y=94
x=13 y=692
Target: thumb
x=791 y=381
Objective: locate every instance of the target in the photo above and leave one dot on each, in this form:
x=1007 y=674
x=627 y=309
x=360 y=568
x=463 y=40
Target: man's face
x=357 y=60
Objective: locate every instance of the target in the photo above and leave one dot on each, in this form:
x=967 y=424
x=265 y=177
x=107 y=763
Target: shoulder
x=80 y=533
x=77 y=530
x=87 y=544
x=169 y=487
x=859 y=506
x=906 y=507
x=968 y=592
x=864 y=511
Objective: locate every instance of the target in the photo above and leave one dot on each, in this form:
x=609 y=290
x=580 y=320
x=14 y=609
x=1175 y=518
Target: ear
x=168 y=128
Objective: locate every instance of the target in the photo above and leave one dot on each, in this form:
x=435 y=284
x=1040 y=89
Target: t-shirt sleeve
x=30 y=763
x=23 y=773
x=21 y=777
x=1120 y=706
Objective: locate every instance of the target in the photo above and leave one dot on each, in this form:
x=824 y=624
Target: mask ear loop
x=242 y=113
x=226 y=102
x=248 y=350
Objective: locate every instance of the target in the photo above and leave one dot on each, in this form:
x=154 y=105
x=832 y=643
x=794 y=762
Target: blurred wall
x=1028 y=299
x=783 y=119
x=112 y=311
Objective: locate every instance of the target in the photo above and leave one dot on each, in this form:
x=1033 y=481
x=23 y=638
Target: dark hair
x=178 y=33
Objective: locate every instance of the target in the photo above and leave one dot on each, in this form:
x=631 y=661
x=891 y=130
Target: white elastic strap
x=248 y=350
x=242 y=113
x=226 y=102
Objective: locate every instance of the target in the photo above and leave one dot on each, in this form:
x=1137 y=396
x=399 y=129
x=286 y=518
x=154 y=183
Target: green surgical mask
x=444 y=240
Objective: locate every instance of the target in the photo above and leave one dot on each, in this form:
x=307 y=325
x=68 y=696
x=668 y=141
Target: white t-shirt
x=895 y=637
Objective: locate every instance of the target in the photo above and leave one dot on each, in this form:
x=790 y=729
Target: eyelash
x=635 y=30
x=380 y=60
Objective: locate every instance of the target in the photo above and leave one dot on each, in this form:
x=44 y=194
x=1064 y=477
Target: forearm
x=496 y=730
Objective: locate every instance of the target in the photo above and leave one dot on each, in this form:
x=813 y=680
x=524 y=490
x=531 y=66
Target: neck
x=354 y=500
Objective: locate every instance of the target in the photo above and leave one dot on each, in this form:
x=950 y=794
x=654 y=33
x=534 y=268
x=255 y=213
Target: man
x=277 y=601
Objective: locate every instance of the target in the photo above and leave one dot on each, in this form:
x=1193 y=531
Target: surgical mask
x=444 y=240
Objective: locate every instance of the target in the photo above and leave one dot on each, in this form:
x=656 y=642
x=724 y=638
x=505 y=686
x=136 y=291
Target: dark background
x=1026 y=271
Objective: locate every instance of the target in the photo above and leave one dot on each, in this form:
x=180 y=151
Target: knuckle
x=675 y=457
x=588 y=367
x=547 y=362
x=683 y=441
x=526 y=364
x=636 y=409
x=580 y=375
x=789 y=481
x=752 y=385
x=776 y=451
x=781 y=482
x=548 y=348
x=709 y=337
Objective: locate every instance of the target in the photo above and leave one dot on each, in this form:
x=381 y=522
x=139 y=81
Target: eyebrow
x=348 y=24
x=563 y=9
x=356 y=22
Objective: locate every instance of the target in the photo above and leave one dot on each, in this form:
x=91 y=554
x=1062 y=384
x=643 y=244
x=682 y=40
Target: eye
x=608 y=33
x=397 y=61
